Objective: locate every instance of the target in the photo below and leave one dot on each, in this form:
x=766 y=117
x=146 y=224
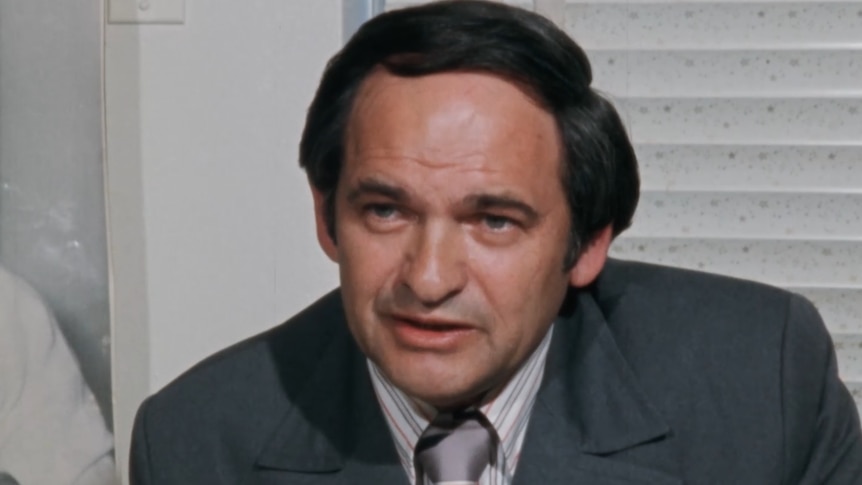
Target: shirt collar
x=508 y=412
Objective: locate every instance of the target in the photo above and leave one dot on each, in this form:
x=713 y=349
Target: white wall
x=211 y=227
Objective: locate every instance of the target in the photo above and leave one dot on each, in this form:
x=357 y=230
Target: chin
x=441 y=393
x=441 y=381
x=445 y=400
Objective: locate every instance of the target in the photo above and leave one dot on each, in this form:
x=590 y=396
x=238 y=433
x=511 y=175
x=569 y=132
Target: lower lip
x=423 y=338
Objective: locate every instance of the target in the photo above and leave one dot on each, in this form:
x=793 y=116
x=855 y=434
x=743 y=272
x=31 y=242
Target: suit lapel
x=335 y=433
x=592 y=423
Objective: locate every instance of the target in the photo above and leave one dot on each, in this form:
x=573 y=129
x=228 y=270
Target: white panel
x=211 y=114
x=794 y=263
x=841 y=308
x=748 y=214
x=147 y=11
x=710 y=24
x=230 y=234
x=764 y=167
x=728 y=72
x=744 y=120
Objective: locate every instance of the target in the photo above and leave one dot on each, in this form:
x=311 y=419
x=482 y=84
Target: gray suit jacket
x=655 y=376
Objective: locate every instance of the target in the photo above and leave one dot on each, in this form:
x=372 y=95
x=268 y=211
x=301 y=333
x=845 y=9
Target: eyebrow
x=482 y=202
x=477 y=202
x=373 y=186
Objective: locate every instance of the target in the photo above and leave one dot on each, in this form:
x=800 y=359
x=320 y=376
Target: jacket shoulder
x=700 y=298
x=224 y=409
x=290 y=347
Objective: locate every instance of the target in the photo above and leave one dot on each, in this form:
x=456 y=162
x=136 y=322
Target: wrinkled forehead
x=446 y=110
x=450 y=136
x=380 y=81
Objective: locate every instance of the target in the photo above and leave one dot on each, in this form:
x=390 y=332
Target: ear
x=323 y=238
x=592 y=259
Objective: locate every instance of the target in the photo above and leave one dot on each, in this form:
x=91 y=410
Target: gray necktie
x=456 y=447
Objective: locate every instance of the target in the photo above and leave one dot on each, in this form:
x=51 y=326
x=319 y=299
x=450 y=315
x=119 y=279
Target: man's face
x=451 y=229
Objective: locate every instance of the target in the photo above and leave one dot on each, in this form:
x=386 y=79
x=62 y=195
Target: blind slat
x=806 y=262
x=728 y=73
x=751 y=214
x=758 y=167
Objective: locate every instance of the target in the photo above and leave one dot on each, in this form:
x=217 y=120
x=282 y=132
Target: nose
x=435 y=267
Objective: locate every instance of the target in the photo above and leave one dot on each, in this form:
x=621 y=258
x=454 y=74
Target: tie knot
x=455 y=447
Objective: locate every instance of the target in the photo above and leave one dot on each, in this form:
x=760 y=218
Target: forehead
x=463 y=121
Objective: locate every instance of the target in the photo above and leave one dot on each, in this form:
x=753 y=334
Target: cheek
x=522 y=285
x=363 y=276
x=522 y=268
x=366 y=263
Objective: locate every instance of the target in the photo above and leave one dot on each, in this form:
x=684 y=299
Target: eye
x=497 y=223
x=381 y=211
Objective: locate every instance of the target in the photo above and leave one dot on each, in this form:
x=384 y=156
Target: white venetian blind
x=747 y=120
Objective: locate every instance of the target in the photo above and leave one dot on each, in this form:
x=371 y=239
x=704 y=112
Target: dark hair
x=599 y=167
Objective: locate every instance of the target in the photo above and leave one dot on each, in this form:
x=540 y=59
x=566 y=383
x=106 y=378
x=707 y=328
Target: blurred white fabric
x=51 y=429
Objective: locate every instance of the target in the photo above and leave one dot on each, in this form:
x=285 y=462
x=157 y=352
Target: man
x=468 y=183
x=51 y=430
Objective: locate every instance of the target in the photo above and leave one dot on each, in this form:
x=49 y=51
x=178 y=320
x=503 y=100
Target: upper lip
x=430 y=321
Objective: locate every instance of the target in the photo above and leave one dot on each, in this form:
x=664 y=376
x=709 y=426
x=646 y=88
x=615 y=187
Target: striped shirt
x=508 y=413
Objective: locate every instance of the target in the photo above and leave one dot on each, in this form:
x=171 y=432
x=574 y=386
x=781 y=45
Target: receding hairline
x=381 y=70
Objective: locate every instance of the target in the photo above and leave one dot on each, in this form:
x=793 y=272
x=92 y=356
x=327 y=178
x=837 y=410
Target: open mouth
x=437 y=335
x=436 y=327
